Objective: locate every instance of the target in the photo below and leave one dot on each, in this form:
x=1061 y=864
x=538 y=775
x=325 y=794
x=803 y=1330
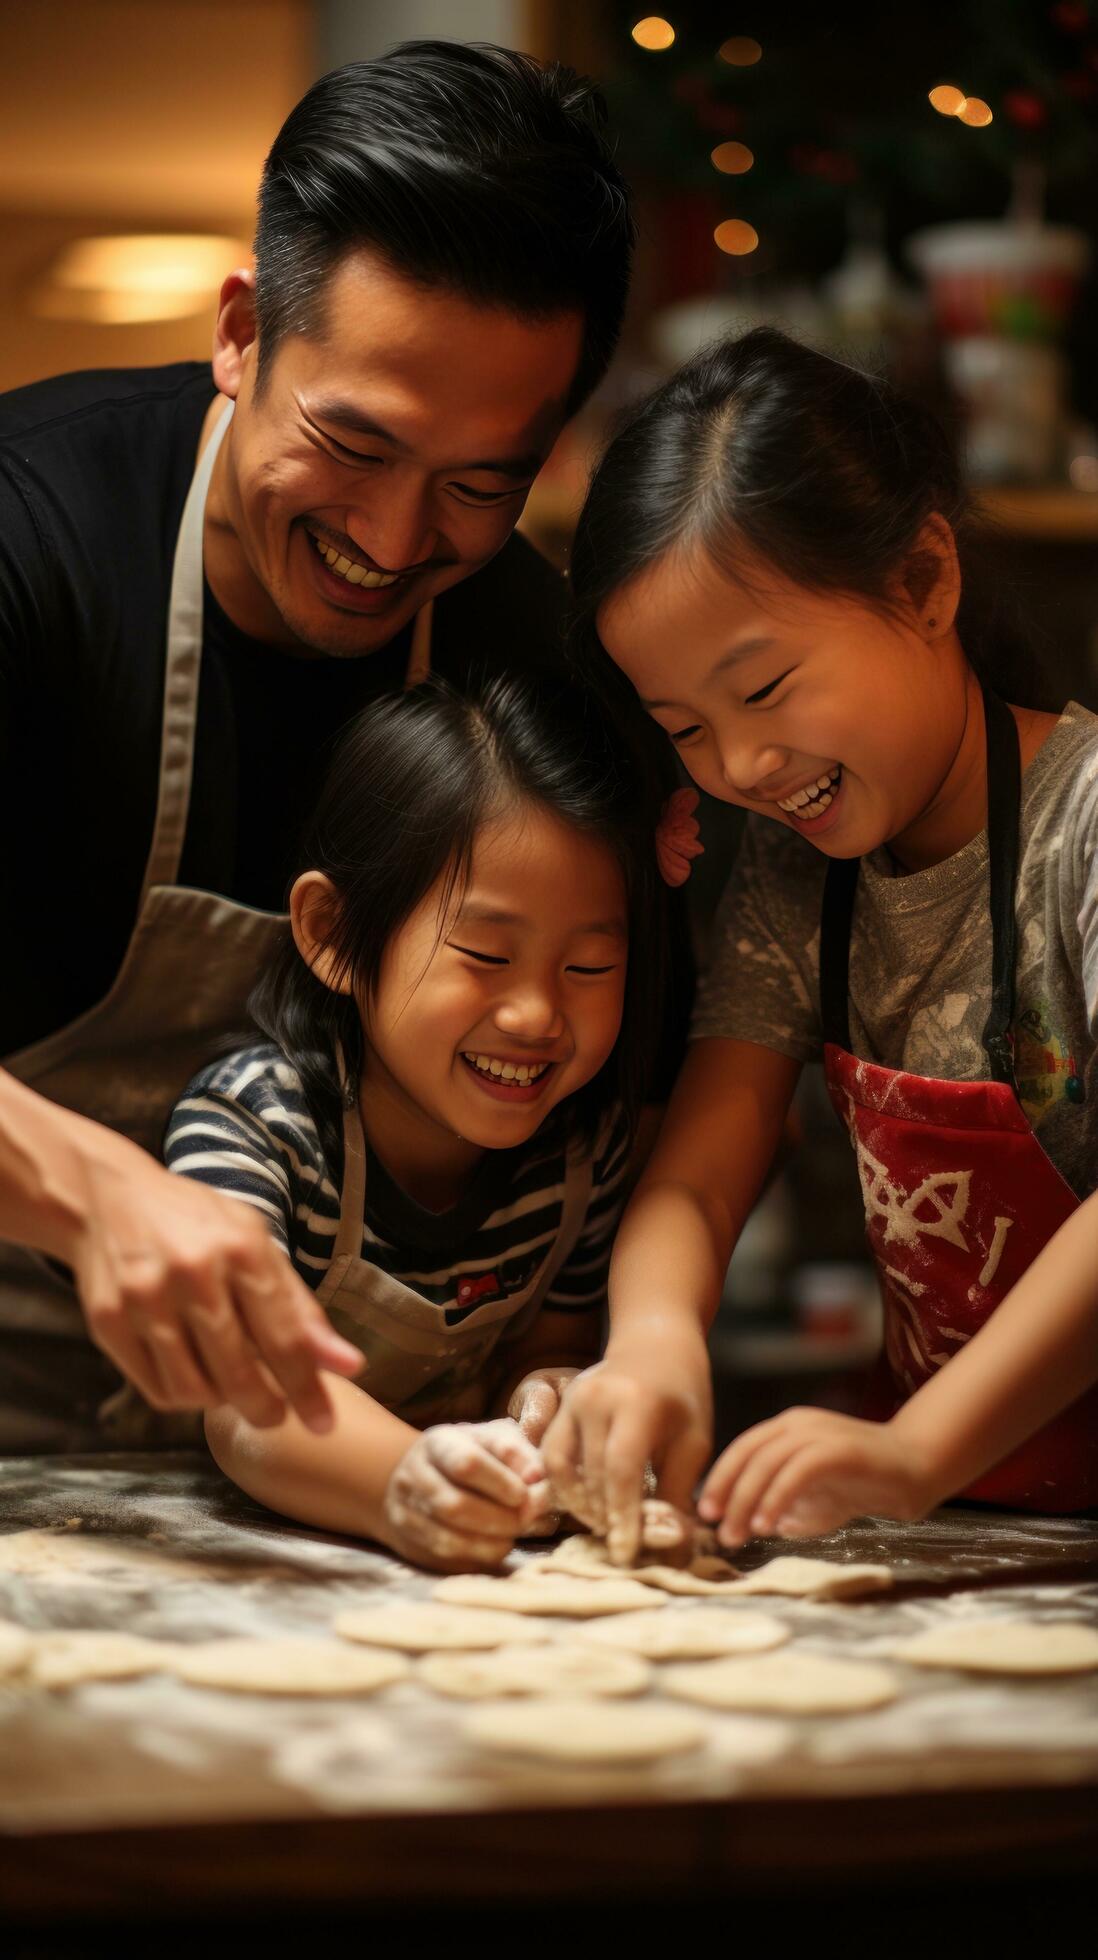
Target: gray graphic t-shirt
x=920 y=955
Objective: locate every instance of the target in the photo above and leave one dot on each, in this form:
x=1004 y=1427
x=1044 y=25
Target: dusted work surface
x=114 y=1795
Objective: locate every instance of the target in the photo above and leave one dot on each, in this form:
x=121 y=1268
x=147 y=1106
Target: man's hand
x=638 y=1406
x=463 y=1493
x=190 y=1297
x=809 y=1471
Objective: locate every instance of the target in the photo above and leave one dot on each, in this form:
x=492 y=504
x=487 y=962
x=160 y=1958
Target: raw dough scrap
x=814 y=1578
x=15 y=1648
x=420 y=1626
x=558 y=1670
x=784 y=1684
x=62 y=1659
x=584 y=1731
x=1005 y=1647
x=585 y=1557
x=702 y=1633
x=66 y=1556
x=288 y=1667
x=555 y=1594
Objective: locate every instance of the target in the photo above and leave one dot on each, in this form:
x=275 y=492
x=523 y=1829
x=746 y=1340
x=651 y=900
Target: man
x=201 y=580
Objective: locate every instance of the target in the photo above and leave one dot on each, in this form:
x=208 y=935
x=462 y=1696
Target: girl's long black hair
x=414 y=778
x=762 y=448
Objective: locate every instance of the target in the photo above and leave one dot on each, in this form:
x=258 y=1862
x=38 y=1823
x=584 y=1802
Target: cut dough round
x=288 y=1667
x=700 y=1634
x=784 y=1684
x=15 y=1648
x=1005 y=1647
x=420 y=1626
x=585 y=1732
x=562 y=1670
x=554 y=1594
x=62 y=1659
x=814 y=1578
x=588 y=1558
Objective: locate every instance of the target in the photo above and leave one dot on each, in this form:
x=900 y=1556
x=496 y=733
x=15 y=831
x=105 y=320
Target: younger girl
x=438 y=1129
x=769 y=553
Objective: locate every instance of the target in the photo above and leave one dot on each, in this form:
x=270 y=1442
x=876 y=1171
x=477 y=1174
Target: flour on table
x=15 y=1649
x=701 y=1633
x=558 y=1670
x=63 y=1659
x=554 y=1594
x=585 y=1731
x=784 y=1684
x=67 y=1557
x=814 y=1578
x=1005 y=1647
x=288 y=1667
x=419 y=1626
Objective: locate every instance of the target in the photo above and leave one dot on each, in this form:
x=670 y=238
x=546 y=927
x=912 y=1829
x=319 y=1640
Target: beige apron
x=183 y=986
x=416 y=1365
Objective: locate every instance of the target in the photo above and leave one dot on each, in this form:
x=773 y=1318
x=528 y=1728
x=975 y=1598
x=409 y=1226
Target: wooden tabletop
x=115 y=1794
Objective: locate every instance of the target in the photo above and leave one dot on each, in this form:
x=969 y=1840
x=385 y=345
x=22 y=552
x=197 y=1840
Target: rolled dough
x=420 y=1626
x=588 y=1558
x=563 y=1670
x=288 y=1667
x=1005 y=1647
x=63 y=1659
x=15 y=1648
x=585 y=1732
x=555 y=1594
x=699 y=1634
x=814 y=1578
x=784 y=1684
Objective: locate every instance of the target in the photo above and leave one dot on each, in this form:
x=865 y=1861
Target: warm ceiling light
x=740 y=52
x=734 y=235
x=732 y=159
x=653 y=33
x=975 y=113
x=135 y=278
x=948 y=101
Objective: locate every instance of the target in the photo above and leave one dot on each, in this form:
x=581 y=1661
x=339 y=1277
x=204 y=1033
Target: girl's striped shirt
x=243 y=1126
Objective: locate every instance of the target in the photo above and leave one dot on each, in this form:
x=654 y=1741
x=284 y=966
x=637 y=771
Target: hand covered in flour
x=809 y=1471
x=463 y=1493
x=533 y=1404
x=642 y=1405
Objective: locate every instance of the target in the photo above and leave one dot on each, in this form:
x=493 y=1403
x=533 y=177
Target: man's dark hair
x=468 y=168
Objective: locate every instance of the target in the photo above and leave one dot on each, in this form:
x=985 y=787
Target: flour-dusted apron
x=418 y=1364
x=183 y=986
x=959 y=1195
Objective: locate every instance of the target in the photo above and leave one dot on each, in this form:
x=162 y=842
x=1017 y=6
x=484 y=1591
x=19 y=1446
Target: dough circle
x=702 y=1633
x=784 y=1684
x=15 y=1648
x=814 y=1578
x=587 y=1558
x=554 y=1594
x=1005 y=1647
x=288 y=1667
x=421 y=1626
x=557 y=1670
x=63 y=1659
x=583 y=1732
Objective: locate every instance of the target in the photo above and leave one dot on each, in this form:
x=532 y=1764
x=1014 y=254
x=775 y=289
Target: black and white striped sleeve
x=213 y=1137
x=580 y=1285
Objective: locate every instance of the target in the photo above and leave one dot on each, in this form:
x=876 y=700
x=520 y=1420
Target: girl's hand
x=809 y=1471
x=463 y=1493
x=533 y=1406
x=638 y=1406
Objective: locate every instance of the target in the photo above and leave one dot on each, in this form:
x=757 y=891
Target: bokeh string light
x=653 y=33
x=731 y=159
x=740 y=51
x=948 y=100
x=736 y=236
x=975 y=114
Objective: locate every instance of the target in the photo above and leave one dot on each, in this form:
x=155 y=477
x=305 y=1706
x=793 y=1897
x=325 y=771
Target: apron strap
x=1004 y=805
x=352 y=1196
x=182 y=668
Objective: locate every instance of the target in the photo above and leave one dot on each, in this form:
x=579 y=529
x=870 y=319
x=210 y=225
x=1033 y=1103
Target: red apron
x=959 y=1195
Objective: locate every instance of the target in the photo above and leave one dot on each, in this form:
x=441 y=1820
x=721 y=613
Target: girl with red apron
x=959 y=1195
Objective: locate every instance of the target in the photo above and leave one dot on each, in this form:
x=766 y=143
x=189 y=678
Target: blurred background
x=911 y=187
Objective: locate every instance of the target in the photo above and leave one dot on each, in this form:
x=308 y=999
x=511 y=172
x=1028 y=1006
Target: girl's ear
x=314 y=908
x=930 y=581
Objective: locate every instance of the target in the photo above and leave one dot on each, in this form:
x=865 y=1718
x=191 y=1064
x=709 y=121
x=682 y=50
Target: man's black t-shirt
x=94 y=472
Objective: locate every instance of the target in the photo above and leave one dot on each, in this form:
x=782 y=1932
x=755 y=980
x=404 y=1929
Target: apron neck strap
x=1004 y=802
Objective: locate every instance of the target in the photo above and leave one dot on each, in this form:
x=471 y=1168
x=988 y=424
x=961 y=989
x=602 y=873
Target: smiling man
x=202 y=578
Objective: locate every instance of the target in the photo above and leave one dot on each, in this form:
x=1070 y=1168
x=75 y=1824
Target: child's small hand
x=462 y=1494
x=809 y=1471
x=533 y=1405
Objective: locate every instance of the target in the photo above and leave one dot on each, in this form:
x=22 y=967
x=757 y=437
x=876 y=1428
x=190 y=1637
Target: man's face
x=388 y=454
